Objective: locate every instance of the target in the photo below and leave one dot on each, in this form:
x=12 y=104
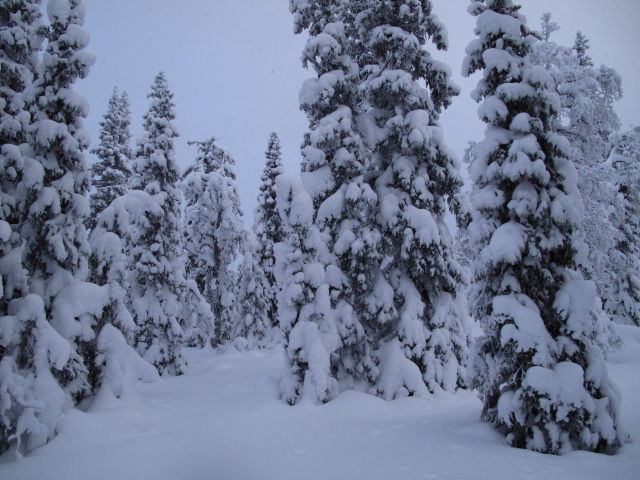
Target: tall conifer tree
x=581 y=45
x=19 y=24
x=43 y=372
x=220 y=254
x=20 y=21
x=267 y=224
x=304 y=306
x=158 y=296
x=57 y=247
x=541 y=377
x=380 y=177
x=416 y=181
x=334 y=164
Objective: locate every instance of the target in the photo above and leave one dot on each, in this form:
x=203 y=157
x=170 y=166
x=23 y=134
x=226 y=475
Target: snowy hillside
x=223 y=421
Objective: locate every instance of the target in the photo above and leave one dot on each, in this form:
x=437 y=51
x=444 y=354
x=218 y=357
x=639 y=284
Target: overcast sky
x=234 y=67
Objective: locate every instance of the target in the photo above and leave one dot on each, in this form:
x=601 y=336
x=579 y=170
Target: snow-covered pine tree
x=154 y=166
x=44 y=369
x=112 y=171
x=108 y=267
x=267 y=224
x=334 y=164
x=624 y=303
x=204 y=264
x=541 y=377
x=220 y=254
x=57 y=247
x=304 y=306
x=581 y=45
x=19 y=24
x=116 y=364
x=252 y=298
x=416 y=180
x=44 y=331
x=19 y=41
x=158 y=297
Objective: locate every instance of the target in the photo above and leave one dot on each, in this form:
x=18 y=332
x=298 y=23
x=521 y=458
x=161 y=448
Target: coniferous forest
x=393 y=305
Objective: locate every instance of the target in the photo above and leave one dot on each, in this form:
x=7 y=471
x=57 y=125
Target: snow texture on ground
x=223 y=420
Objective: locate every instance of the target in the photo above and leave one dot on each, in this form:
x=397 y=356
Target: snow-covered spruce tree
x=581 y=45
x=160 y=302
x=624 y=303
x=112 y=171
x=334 y=164
x=542 y=379
x=111 y=174
x=56 y=243
x=252 y=298
x=44 y=331
x=304 y=306
x=587 y=96
x=108 y=267
x=416 y=180
x=19 y=41
x=203 y=257
x=267 y=224
x=220 y=253
x=116 y=364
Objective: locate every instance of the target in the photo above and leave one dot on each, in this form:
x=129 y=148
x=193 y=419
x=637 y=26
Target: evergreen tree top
x=504 y=7
x=212 y=159
x=267 y=220
x=581 y=46
x=124 y=108
x=113 y=169
x=155 y=163
x=162 y=106
x=416 y=18
x=499 y=27
x=394 y=34
x=273 y=147
x=110 y=122
x=273 y=166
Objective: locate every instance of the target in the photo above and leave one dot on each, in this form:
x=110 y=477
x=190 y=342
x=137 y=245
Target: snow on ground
x=223 y=420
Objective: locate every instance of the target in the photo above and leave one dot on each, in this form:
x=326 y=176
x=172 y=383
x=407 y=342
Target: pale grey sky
x=234 y=67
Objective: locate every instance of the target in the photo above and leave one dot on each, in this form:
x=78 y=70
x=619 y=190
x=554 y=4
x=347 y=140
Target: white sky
x=234 y=67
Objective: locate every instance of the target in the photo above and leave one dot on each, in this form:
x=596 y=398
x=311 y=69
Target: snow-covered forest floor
x=223 y=420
